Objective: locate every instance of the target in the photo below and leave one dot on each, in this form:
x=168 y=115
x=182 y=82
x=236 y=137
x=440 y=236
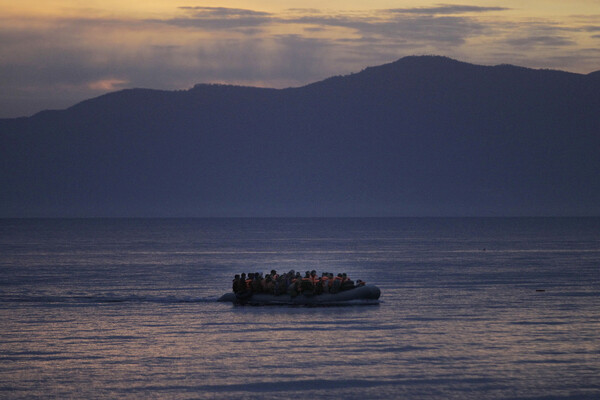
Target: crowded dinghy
x=293 y=288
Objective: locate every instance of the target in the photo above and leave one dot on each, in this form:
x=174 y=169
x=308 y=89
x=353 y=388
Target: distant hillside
x=420 y=136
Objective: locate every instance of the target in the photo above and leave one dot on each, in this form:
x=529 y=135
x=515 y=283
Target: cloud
x=533 y=41
x=218 y=18
x=539 y=35
x=446 y=9
x=70 y=59
x=223 y=12
x=383 y=23
x=304 y=11
x=420 y=29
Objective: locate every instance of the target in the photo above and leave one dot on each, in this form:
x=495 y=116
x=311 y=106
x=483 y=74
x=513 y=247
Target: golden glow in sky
x=54 y=53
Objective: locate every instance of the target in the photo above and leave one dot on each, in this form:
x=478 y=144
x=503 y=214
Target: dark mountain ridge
x=419 y=136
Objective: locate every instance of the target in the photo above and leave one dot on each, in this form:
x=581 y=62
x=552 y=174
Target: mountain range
x=422 y=136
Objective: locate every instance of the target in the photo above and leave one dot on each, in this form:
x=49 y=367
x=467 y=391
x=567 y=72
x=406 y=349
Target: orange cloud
x=107 y=84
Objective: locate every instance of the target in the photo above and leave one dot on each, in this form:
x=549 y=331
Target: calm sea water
x=470 y=309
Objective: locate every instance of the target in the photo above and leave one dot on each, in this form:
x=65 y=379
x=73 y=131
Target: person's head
x=273 y=272
x=313 y=272
x=237 y=276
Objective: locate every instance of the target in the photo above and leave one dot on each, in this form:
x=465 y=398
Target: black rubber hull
x=365 y=294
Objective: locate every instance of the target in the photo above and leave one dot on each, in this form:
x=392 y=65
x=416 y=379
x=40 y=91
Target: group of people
x=292 y=283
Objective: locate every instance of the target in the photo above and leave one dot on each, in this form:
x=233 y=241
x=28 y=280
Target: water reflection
x=136 y=320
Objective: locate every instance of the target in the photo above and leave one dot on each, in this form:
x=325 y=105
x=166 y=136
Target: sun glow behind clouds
x=95 y=46
x=108 y=84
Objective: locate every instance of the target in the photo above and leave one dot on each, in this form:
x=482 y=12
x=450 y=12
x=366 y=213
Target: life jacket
x=249 y=284
x=306 y=284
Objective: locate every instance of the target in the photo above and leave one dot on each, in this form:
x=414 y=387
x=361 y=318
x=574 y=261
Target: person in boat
x=306 y=286
x=249 y=280
x=270 y=281
x=279 y=285
x=324 y=283
x=292 y=283
x=269 y=284
x=236 y=284
x=294 y=288
x=314 y=279
x=241 y=286
x=347 y=283
x=256 y=283
x=318 y=284
x=336 y=284
x=284 y=281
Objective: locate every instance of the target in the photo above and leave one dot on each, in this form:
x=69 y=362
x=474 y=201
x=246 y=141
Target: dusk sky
x=55 y=53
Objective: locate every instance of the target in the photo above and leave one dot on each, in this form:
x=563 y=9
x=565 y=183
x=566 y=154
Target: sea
x=470 y=308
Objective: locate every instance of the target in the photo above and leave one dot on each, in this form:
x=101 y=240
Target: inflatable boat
x=368 y=294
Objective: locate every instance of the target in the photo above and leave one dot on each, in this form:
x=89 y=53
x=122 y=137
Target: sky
x=55 y=53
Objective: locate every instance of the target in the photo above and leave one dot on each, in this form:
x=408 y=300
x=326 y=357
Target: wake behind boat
x=291 y=288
